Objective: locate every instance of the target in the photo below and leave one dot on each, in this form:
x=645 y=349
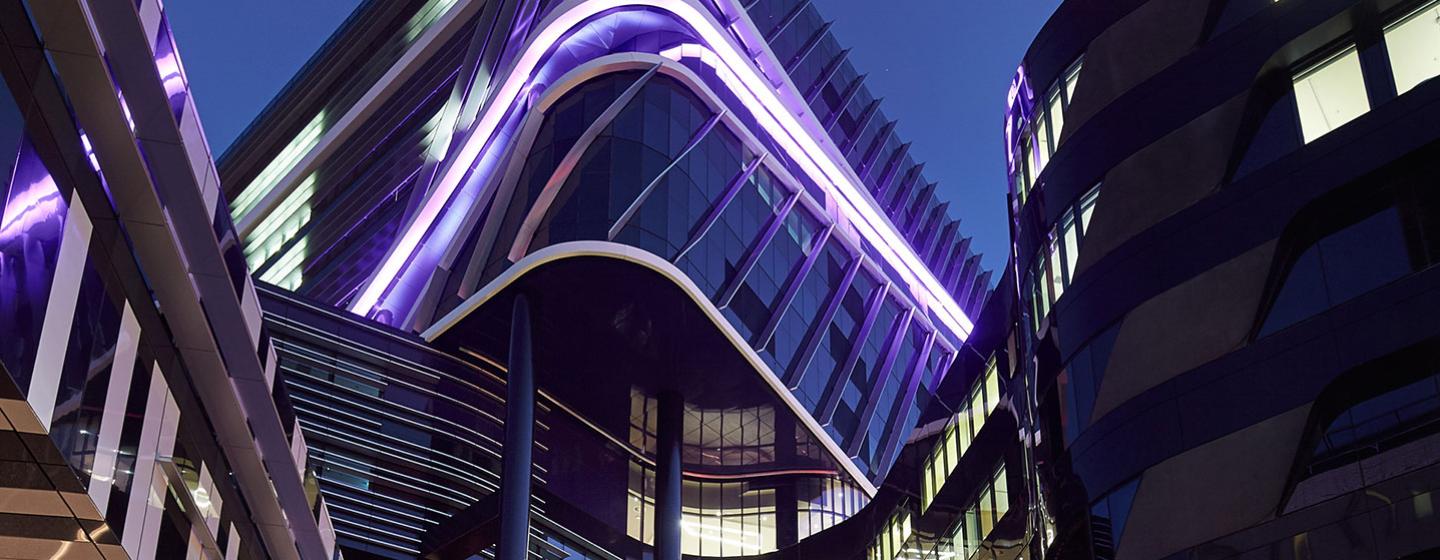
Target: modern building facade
x=687 y=223
x=140 y=415
x=1224 y=230
x=653 y=279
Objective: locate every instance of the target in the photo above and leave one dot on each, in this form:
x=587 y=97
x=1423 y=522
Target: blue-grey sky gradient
x=942 y=67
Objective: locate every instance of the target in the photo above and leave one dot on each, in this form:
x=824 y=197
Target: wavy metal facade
x=1223 y=220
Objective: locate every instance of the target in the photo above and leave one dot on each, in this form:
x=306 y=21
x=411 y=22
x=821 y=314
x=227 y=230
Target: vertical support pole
x=670 y=425
x=787 y=515
x=519 y=439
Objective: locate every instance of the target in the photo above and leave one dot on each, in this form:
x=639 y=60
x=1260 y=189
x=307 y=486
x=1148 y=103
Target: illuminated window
x=276 y=170
x=1002 y=494
x=1055 y=263
x=1058 y=277
x=992 y=388
x=1043 y=136
x=893 y=537
x=1087 y=207
x=955 y=441
x=828 y=501
x=1330 y=94
x=1071 y=239
x=1414 y=47
x=1072 y=77
x=717 y=518
x=1057 y=116
x=1026 y=170
x=970 y=531
x=986 y=505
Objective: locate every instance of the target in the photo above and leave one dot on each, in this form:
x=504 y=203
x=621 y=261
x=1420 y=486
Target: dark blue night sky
x=942 y=66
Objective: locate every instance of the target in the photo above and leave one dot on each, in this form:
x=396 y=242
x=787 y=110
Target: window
x=1380 y=422
x=1330 y=94
x=892 y=538
x=1341 y=266
x=1050 y=115
x=970 y=531
x=984 y=397
x=1080 y=380
x=1057 y=116
x=716 y=519
x=824 y=502
x=1414 y=47
x=1055 y=262
x=1108 y=516
x=1043 y=136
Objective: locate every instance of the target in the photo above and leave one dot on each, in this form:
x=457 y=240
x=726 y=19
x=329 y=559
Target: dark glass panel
x=1364 y=256
x=1341 y=266
x=663 y=223
x=1085 y=372
x=768 y=14
x=820 y=284
x=757 y=296
x=1302 y=295
x=810 y=68
x=849 y=121
x=716 y=257
x=837 y=341
x=633 y=151
x=879 y=430
x=1278 y=134
x=864 y=375
x=787 y=45
x=1357 y=431
x=831 y=95
x=80 y=399
x=867 y=139
x=125 y=480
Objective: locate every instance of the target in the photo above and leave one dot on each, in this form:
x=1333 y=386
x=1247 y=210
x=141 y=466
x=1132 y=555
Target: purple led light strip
x=747 y=85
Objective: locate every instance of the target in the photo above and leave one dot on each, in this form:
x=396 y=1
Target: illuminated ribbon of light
x=752 y=90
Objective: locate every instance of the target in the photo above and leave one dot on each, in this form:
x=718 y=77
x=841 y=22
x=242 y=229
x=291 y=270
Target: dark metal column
x=787 y=514
x=670 y=425
x=519 y=439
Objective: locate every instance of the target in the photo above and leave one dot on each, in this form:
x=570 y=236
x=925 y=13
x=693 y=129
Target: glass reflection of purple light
x=34 y=197
x=31 y=228
x=1019 y=103
x=172 y=72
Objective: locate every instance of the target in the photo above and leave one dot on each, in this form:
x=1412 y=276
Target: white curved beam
x=573 y=249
